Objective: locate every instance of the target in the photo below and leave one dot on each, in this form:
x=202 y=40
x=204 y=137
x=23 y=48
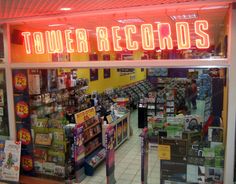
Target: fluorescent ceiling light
x=184 y=17
x=55 y=25
x=214 y=7
x=65 y=9
x=133 y=20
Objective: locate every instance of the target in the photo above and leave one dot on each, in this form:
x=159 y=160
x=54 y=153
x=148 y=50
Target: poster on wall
x=126 y=71
x=60 y=57
x=110 y=154
x=93 y=74
x=9 y=160
x=107 y=73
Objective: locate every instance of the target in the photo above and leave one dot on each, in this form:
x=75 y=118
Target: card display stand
x=193 y=160
x=53 y=93
x=121 y=128
x=92 y=140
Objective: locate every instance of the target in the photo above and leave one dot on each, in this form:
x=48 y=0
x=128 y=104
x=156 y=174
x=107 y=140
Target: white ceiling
x=38 y=14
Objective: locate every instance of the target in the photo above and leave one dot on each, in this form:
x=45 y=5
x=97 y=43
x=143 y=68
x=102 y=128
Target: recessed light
x=132 y=20
x=184 y=17
x=55 y=25
x=65 y=9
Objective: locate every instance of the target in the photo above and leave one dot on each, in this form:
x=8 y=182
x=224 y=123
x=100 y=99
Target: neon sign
x=109 y=39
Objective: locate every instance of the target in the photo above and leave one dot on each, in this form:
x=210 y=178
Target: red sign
x=27 y=162
x=20 y=81
x=56 y=41
x=24 y=136
x=22 y=109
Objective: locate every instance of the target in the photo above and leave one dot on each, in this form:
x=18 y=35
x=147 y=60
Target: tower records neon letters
x=144 y=36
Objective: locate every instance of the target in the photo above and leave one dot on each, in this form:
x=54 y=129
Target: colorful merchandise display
x=110 y=154
x=92 y=139
x=121 y=129
x=10 y=161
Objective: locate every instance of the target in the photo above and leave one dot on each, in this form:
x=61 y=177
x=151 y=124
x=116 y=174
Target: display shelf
x=89 y=152
x=90 y=138
x=121 y=126
x=93 y=125
x=92 y=135
x=94 y=160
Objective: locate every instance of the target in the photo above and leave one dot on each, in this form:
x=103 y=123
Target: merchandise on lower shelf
x=92 y=161
x=92 y=138
x=204 y=159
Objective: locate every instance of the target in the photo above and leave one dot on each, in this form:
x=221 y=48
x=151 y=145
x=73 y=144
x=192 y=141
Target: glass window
x=184 y=109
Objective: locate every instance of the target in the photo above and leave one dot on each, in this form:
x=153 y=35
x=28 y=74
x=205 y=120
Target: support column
x=230 y=144
x=9 y=87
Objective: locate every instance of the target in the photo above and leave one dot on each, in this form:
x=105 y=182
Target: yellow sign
x=85 y=115
x=109 y=119
x=61 y=71
x=164 y=152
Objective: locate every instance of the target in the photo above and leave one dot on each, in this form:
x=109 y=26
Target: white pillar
x=9 y=86
x=230 y=145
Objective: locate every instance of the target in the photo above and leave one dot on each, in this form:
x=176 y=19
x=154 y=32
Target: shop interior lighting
x=214 y=7
x=184 y=17
x=55 y=25
x=133 y=20
x=65 y=9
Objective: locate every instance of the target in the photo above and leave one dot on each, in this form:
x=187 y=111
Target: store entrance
x=72 y=111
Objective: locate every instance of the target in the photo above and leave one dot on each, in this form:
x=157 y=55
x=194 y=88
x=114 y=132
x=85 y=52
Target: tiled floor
x=128 y=162
x=128 y=158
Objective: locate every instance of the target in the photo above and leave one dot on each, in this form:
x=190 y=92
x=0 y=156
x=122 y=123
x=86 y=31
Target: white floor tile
x=128 y=162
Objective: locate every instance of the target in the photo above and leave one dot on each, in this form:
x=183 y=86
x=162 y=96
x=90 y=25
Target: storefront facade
x=80 y=39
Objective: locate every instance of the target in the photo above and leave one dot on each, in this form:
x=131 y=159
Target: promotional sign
x=27 y=163
x=23 y=122
x=85 y=115
x=22 y=109
x=24 y=135
x=20 y=83
x=110 y=154
x=9 y=160
x=144 y=156
x=164 y=152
